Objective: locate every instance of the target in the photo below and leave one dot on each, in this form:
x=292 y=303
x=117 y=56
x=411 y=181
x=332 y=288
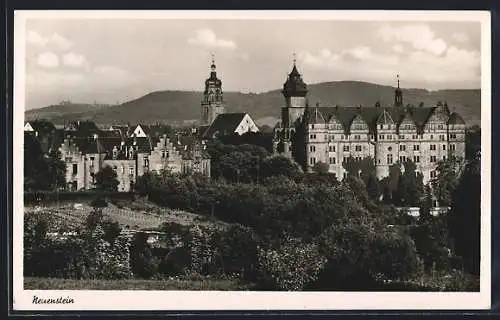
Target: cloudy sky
x=109 y=60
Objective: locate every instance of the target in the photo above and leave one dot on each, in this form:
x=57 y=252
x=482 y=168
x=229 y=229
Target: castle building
x=129 y=157
x=388 y=134
x=212 y=103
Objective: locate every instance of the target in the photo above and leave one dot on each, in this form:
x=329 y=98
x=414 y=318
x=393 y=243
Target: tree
x=373 y=187
x=280 y=166
x=236 y=162
x=362 y=249
x=447 y=180
x=365 y=170
x=42 y=171
x=464 y=218
x=321 y=167
x=410 y=185
x=472 y=142
x=292 y=266
x=142 y=261
x=56 y=168
x=106 y=179
x=404 y=186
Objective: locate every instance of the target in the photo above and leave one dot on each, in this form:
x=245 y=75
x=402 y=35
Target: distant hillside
x=72 y=110
x=178 y=106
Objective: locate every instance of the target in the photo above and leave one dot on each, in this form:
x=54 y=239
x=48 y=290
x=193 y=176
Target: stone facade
x=391 y=134
x=129 y=158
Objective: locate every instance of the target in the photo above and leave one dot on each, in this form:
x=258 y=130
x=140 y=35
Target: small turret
x=398 y=95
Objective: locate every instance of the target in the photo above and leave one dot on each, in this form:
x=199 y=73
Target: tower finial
x=294 y=58
x=212 y=66
x=397 y=76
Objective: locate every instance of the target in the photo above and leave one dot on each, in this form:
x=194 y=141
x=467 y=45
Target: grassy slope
x=32 y=283
x=135 y=214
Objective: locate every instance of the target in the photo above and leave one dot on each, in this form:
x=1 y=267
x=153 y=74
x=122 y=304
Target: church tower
x=287 y=141
x=212 y=103
x=398 y=95
x=294 y=91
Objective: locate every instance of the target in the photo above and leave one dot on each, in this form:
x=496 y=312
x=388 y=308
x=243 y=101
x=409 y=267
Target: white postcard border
x=240 y=300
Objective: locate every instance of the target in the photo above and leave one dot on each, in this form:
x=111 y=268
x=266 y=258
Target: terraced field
x=142 y=216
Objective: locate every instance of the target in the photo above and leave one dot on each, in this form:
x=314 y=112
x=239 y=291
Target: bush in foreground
x=291 y=267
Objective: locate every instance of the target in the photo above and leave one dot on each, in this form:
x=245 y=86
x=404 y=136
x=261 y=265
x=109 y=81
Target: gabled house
x=229 y=124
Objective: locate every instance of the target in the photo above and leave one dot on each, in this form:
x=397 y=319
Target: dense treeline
x=289 y=230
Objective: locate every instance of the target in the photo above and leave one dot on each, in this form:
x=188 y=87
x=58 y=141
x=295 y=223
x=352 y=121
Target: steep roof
x=294 y=85
x=373 y=114
x=385 y=118
x=455 y=118
x=225 y=124
x=88 y=145
x=42 y=126
x=156 y=130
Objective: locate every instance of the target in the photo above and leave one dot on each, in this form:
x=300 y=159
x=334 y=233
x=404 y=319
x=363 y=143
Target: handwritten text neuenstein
x=58 y=300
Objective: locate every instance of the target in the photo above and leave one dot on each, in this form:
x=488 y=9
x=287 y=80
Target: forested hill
x=179 y=106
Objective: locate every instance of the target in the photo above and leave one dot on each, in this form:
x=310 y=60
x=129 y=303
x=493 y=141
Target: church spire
x=294 y=85
x=212 y=103
x=398 y=95
x=213 y=71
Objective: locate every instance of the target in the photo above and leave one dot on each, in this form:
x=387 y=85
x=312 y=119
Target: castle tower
x=398 y=95
x=294 y=91
x=212 y=103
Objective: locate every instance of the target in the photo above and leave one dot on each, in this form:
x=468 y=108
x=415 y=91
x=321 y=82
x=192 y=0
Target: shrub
x=360 y=252
x=238 y=247
x=175 y=262
x=142 y=262
x=99 y=203
x=291 y=267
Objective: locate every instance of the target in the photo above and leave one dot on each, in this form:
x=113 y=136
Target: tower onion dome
x=294 y=85
x=213 y=81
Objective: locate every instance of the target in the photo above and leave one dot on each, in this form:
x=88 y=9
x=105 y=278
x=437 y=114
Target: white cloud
x=356 y=55
x=73 y=59
x=460 y=37
x=208 y=38
x=54 y=41
x=60 y=41
x=36 y=39
x=362 y=63
x=398 y=48
x=47 y=60
x=420 y=36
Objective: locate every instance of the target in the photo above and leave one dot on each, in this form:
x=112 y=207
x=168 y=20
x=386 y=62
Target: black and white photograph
x=251 y=160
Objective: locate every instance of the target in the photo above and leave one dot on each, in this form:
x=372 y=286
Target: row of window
x=74 y=169
x=382 y=126
x=416 y=159
x=402 y=147
x=441 y=137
